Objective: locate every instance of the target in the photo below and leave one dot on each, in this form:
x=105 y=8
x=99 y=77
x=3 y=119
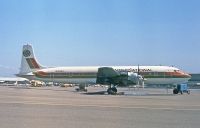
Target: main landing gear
x=112 y=90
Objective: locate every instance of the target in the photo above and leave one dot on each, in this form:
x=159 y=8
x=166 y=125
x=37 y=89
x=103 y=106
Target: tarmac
x=56 y=107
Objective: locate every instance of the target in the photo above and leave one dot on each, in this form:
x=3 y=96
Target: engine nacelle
x=133 y=77
x=107 y=75
x=128 y=78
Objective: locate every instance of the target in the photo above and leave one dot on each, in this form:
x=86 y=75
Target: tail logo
x=26 y=53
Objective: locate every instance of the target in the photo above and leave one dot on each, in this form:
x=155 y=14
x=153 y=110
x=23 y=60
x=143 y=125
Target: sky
x=101 y=32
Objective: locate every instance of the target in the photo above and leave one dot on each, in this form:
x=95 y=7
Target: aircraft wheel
x=109 y=90
x=112 y=91
x=175 y=91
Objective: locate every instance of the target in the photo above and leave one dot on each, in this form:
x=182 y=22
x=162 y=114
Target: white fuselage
x=87 y=74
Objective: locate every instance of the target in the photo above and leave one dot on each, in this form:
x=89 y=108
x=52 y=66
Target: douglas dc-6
x=110 y=75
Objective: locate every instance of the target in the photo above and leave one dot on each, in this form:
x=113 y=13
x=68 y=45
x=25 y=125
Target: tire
x=109 y=91
x=112 y=91
x=175 y=91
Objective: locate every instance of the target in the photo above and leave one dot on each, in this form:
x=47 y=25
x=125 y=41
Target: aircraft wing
x=107 y=72
x=108 y=76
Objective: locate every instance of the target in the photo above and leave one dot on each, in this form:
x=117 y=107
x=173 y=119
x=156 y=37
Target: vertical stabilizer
x=28 y=62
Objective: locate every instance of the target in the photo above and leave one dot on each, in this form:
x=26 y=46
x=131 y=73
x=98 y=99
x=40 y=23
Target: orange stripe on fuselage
x=41 y=73
x=176 y=74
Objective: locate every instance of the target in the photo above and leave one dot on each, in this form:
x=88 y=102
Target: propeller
x=138 y=71
x=140 y=77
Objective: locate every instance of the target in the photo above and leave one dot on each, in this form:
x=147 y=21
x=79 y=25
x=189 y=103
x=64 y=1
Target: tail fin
x=28 y=62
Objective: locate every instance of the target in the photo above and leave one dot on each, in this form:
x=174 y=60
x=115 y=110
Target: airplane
x=105 y=75
x=9 y=81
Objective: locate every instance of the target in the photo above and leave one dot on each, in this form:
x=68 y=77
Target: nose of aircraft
x=185 y=75
x=188 y=75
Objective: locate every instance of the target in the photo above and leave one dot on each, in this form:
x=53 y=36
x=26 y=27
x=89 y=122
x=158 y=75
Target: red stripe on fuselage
x=32 y=63
x=35 y=64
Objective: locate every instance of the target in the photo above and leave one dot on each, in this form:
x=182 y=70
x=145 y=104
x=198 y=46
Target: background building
x=194 y=82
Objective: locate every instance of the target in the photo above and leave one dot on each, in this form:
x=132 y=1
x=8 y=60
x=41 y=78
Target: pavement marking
x=104 y=106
